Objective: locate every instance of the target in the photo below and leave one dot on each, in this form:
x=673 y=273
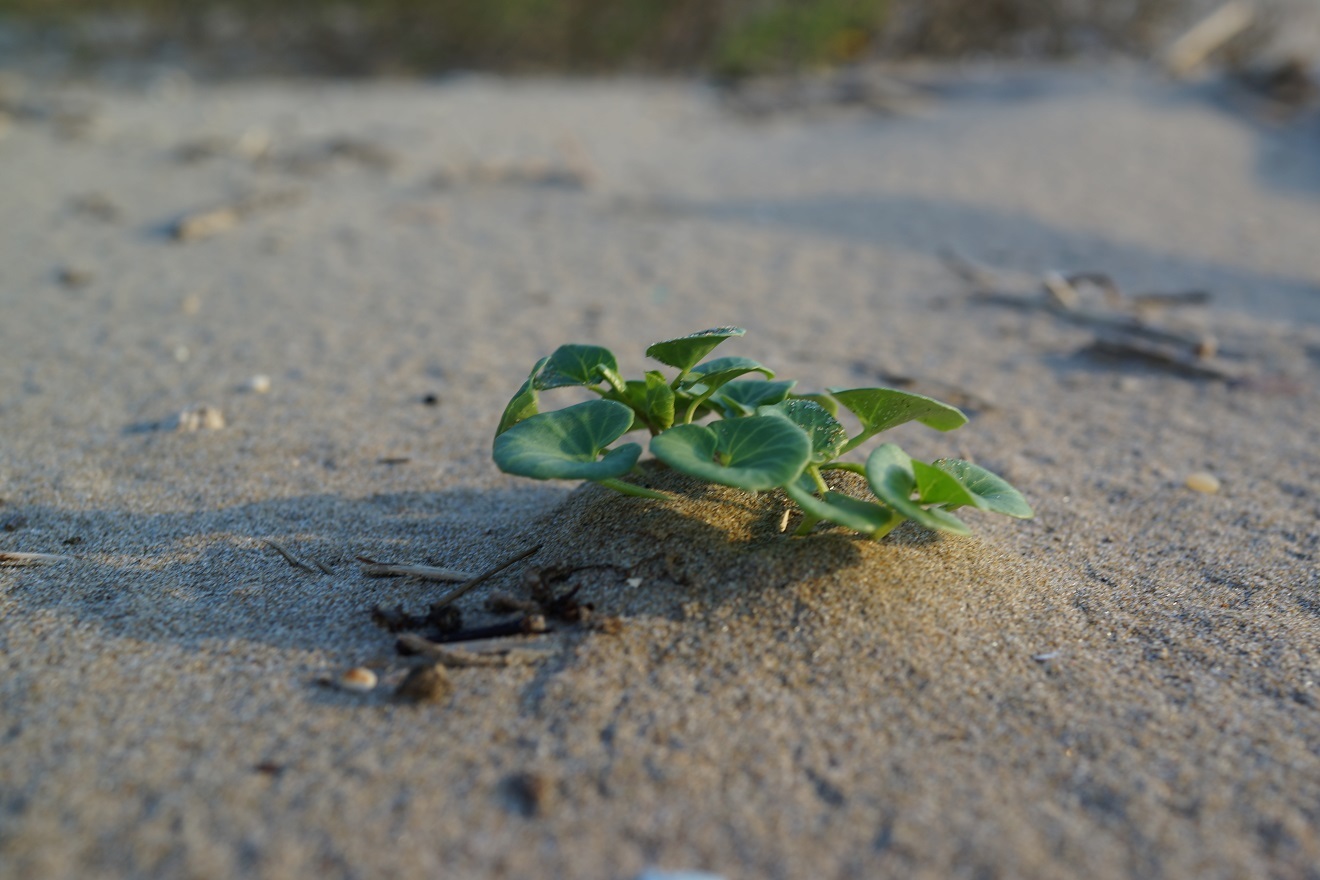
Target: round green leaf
x=935 y=486
x=523 y=404
x=580 y=365
x=879 y=409
x=687 y=351
x=755 y=453
x=712 y=374
x=827 y=435
x=829 y=404
x=742 y=396
x=866 y=517
x=567 y=444
x=889 y=472
x=989 y=490
x=705 y=379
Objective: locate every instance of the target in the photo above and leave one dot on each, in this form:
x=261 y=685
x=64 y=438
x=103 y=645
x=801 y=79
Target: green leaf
x=890 y=474
x=566 y=444
x=830 y=405
x=659 y=399
x=705 y=379
x=935 y=486
x=879 y=409
x=652 y=399
x=827 y=435
x=755 y=453
x=524 y=404
x=580 y=365
x=990 y=491
x=687 y=351
x=712 y=374
x=866 y=517
x=741 y=397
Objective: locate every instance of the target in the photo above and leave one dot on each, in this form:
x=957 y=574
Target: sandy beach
x=356 y=278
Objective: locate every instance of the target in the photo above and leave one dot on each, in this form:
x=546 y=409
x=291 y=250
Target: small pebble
x=634 y=582
x=205 y=224
x=1129 y=384
x=1202 y=482
x=191 y=304
x=425 y=684
x=259 y=383
x=97 y=205
x=70 y=276
x=201 y=418
x=182 y=354
x=359 y=679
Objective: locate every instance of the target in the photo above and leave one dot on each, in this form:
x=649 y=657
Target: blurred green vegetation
x=373 y=36
x=723 y=37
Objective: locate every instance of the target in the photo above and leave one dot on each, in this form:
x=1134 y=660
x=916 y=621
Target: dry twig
x=295 y=561
x=372 y=568
x=458 y=592
x=22 y=559
x=486 y=652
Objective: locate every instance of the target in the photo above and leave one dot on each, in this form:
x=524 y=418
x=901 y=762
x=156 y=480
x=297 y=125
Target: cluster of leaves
x=763 y=436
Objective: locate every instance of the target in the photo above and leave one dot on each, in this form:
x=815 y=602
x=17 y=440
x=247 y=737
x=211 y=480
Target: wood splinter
x=320 y=568
x=483 y=652
x=19 y=559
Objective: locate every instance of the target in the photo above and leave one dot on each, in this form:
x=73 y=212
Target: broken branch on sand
x=487 y=652
x=372 y=568
x=22 y=559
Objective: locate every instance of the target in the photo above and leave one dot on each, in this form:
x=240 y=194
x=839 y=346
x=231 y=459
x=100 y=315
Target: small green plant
x=763 y=436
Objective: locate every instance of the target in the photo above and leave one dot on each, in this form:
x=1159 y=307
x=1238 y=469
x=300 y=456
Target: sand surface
x=1124 y=686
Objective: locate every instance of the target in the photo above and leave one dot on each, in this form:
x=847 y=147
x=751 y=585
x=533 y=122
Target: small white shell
x=359 y=679
x=1202 y=482
x=201 y=418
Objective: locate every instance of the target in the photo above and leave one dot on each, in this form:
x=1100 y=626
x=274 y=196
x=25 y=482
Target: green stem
x=888 y=527
x=635 y=491
x=850 y=466
x=820 y=481
x=808 y=523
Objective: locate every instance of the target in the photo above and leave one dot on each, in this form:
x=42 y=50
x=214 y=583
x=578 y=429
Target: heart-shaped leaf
x=580 y=365
x=990 y=491
x=741 y=397
x=866 y=517
x=652 y=400
x=755 y=453
x=705 y=379
x=827 y=435
x=890 y=474
x=523 y=404
x=687 y=351
x=879 y=409
x=935 y=486
x=829 y=404
x=566 y=444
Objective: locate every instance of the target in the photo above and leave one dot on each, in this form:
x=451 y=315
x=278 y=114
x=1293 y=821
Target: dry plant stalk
x=483 y=652
x=24 y=559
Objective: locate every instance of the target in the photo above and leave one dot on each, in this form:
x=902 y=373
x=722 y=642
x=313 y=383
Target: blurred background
x=721 y=38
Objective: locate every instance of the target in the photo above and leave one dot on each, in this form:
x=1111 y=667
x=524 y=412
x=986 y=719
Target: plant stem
x=635 y=491
x=887 y=528
x=820 y=481
x=850 y=466
x=808 y=523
